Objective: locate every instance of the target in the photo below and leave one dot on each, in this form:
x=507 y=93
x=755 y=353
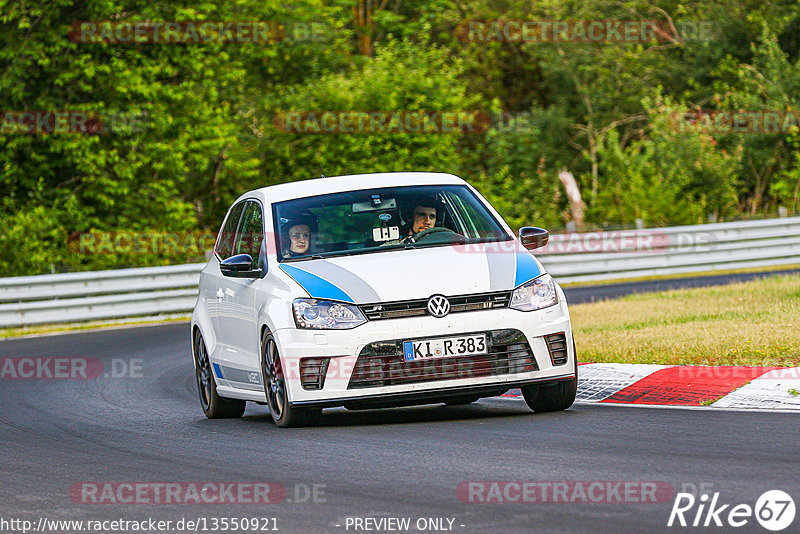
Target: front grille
x=382 y=363
x=557 y=345
x=313 y=371
x=411 y=308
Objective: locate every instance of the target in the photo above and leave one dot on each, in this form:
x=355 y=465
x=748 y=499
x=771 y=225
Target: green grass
x=710 y=401
x=752 y=323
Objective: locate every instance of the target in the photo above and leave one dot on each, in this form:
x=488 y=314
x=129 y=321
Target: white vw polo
x=376 y=290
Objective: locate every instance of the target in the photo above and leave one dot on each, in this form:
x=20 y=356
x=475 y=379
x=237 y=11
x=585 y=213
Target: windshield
x=375 y=220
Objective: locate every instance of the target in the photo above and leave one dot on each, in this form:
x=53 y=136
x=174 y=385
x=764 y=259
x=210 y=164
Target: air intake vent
x=381 y=363
x=313 y=371
x=557 y=345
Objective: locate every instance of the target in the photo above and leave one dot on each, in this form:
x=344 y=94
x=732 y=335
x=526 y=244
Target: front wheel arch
x=276 y=389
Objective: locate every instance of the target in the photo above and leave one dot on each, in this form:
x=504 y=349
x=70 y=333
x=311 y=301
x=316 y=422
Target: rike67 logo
x=774 y=510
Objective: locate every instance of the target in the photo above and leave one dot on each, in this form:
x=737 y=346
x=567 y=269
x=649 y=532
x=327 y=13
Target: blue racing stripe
x=217 y=370
x=527 y=269
x=317 y=287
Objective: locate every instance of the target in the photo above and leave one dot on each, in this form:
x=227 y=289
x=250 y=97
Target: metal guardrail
x=596 y=256
x=74 y=297
x=584 y=257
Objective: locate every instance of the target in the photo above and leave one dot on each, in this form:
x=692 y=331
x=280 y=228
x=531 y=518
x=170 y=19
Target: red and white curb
x=770 y=388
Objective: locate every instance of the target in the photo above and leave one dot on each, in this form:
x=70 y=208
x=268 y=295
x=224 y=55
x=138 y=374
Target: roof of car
x=335 y=184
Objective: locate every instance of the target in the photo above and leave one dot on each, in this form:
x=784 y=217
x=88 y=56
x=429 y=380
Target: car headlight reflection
x=326 y=314
x=534 y=295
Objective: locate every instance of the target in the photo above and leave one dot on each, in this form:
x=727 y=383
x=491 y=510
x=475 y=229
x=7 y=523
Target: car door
x=237 y=320
x=211 y=277
x=210 y=285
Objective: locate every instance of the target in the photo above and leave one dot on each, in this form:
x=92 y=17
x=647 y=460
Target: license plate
x=425 y=349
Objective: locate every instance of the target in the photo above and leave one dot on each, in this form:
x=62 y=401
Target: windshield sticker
x=386 y=234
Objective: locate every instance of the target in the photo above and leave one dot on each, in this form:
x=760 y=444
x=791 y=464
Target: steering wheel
x=441 y=234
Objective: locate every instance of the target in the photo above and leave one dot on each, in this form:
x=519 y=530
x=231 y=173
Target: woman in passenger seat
x=297 y=234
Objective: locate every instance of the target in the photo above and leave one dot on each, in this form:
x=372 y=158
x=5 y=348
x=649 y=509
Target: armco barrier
x=591 y=256
x=72 y=297
x=673 y=250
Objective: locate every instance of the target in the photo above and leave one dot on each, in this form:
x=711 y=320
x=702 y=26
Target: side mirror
x=239 y=266
x=532 y=237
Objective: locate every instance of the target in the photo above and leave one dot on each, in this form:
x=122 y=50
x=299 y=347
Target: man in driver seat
x=422 y=217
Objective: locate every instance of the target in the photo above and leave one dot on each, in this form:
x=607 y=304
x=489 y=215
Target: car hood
x=408 y=274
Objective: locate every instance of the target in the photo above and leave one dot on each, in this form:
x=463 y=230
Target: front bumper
x=344 y=346
x=406 y=398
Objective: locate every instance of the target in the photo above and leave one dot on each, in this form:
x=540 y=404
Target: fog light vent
x=557 y=345
x=313 y=371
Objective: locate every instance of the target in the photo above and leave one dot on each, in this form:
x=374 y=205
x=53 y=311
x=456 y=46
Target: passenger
x=299 y=239
x=297 y=234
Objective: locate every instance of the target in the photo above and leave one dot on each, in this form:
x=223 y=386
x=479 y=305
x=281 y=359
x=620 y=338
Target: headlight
x=326 y=314
x=534 y=295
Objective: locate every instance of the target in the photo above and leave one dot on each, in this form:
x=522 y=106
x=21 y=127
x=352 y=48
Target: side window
x=250 y=234
x=474 y=222
x=224 y=246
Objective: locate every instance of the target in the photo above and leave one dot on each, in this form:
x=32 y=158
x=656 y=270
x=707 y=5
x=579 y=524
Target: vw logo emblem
x=438 y=306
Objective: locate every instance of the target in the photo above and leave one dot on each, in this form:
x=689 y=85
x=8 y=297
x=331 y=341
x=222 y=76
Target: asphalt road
x=147 y=427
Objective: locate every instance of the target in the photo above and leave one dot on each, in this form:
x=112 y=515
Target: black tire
x=555 y=397
x=283 y=413
x=461 y=401
x=214 y=406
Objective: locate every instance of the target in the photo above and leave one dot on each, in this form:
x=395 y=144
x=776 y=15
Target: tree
x=673 y=175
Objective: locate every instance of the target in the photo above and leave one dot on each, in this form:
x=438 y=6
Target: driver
x=423 y=217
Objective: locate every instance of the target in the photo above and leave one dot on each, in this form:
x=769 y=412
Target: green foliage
x=672 y=175
x=769 y=81
x=28 y=240
x=402 y=77
x=514 y=167
x=189 y=127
